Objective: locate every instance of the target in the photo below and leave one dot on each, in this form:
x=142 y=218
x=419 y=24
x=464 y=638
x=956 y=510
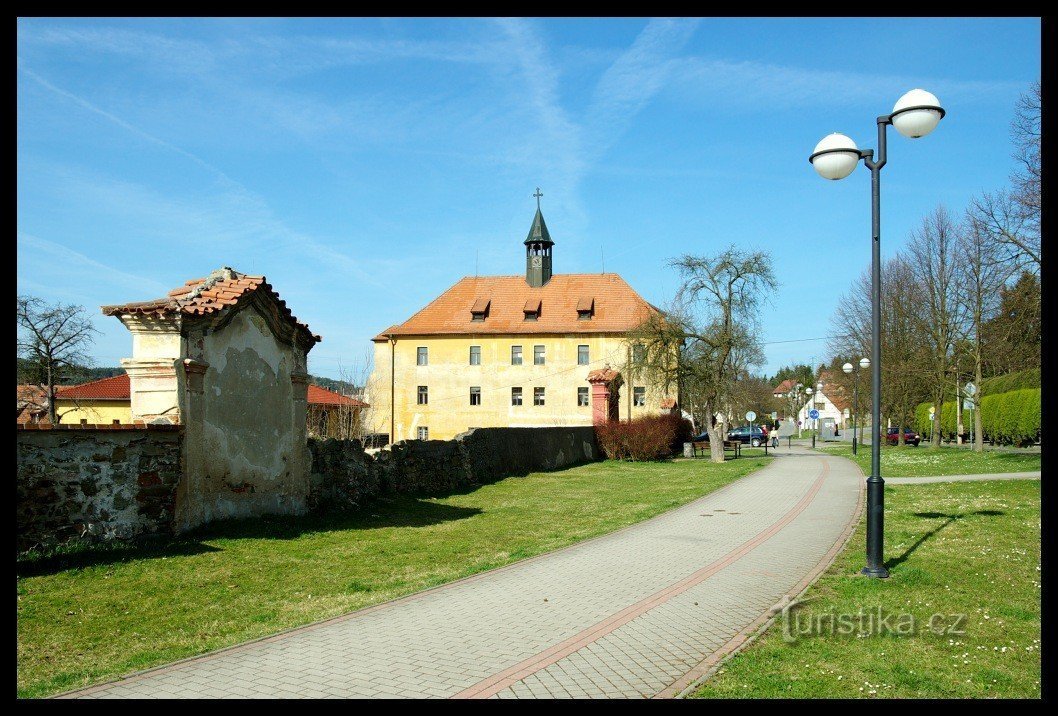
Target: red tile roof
x=322 y=396
x=618 y=308
x=113 y=388
x=117 y=388
x=32 y=403
x=222 y=289
x=784 y=386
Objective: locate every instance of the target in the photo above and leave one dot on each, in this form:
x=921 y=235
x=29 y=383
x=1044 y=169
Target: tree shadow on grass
x=948 y=519
x=400 y=511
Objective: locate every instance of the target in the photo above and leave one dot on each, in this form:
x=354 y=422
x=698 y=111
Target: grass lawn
x=970 y=548
x=923 y=461
x=90 y=616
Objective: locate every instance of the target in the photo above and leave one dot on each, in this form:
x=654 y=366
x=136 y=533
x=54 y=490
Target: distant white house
x=832 y=404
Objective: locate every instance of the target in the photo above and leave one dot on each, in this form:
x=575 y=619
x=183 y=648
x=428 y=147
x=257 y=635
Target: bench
x=733 y=445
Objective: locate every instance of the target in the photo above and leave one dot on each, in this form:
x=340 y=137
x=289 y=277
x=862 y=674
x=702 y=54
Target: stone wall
x=96 y=481
x=343 y=475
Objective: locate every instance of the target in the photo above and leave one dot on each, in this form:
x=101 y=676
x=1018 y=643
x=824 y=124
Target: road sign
x=967 y=404
x=751 y=416
x=813 y=414
x=970 y=389
x=774 y=415
x=932 y=410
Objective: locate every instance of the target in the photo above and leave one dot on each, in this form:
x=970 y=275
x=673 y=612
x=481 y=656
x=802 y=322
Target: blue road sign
x=814 y=414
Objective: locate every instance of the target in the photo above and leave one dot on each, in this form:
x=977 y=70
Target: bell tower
x=538 y=249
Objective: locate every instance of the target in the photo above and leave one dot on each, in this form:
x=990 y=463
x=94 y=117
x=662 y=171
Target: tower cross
x=538 y=195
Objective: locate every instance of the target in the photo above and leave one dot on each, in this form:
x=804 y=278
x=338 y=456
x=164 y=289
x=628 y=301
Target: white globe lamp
x=917 y=113
x=835 y=156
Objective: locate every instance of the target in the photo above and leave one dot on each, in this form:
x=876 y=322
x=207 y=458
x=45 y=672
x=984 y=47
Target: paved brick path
x=637 y=613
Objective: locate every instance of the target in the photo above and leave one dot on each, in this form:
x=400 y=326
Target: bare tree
x=981 y=280
x=708 y=335
x=903 y=384
x=935 y=262
x=54 y=339
x=1027 y=132
x=1012 y=217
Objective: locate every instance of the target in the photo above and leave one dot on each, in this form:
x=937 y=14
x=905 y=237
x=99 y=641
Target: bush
x=1022 y=380
x=647 y=438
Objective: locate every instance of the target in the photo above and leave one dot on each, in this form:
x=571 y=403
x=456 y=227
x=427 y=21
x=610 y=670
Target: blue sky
x=364 y=166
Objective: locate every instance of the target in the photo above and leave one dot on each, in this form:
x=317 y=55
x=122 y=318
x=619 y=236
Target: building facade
x=532 y=350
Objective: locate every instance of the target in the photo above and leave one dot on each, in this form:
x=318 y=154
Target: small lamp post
x=818 y=421
x=808 y=406
x=914 y=115
x=848 y=369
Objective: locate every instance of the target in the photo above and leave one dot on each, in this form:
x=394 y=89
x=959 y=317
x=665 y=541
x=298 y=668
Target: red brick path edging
x=504 y=679
x=708 y=666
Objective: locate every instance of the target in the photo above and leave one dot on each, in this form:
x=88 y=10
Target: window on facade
x=475 y=355
x=516 y=396
x=538 y=396
x=422 y=356
x=639 y=397
x=639 y=352
x=423 y=433
x=475 y=395
x=582 y=355
x=538 y=355
x=516 y=355
x=422 y=398
x=582 y=397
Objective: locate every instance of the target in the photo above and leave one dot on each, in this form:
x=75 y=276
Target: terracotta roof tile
x=117 y=388
x=618 y=308
x=113 y=388
x=322 y=396
x=784 y=386
x=201 y=296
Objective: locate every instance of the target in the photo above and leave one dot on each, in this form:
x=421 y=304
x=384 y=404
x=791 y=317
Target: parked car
x=742 y=434
x=703 y=438
x=892 y=437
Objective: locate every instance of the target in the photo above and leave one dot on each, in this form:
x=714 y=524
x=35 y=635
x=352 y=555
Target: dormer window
x=480 y=310
x=532 y=309
x=585 y=308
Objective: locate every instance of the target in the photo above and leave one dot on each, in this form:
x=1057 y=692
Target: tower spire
x=538 y=248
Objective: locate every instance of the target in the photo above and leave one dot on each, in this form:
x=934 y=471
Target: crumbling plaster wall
x=245 y=421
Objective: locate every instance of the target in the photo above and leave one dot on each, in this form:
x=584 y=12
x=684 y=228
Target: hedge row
x=1012 y=417
x=650 y=437
x=1011 y=381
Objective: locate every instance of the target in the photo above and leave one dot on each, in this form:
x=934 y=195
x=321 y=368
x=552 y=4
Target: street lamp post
x=848 y=368
x=915 y=115
x=819 y=420
x=808 y=405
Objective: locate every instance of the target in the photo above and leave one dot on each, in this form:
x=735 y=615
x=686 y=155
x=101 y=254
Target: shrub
x=1022 y=380
x=647 y=438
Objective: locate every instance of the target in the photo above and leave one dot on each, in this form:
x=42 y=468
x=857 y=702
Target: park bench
x=733 y=445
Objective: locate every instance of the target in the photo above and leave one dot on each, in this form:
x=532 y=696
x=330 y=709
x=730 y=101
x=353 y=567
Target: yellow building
x=108 y=400
x=533 y=350
x=97 y=402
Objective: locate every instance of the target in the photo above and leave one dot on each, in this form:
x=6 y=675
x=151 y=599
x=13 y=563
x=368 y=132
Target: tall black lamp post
x=848 y=368
x=915 y=115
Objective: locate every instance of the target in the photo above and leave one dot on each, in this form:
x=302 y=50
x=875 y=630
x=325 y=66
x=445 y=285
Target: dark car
x=892 y=437
x=742 y=434
x=703 y=438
